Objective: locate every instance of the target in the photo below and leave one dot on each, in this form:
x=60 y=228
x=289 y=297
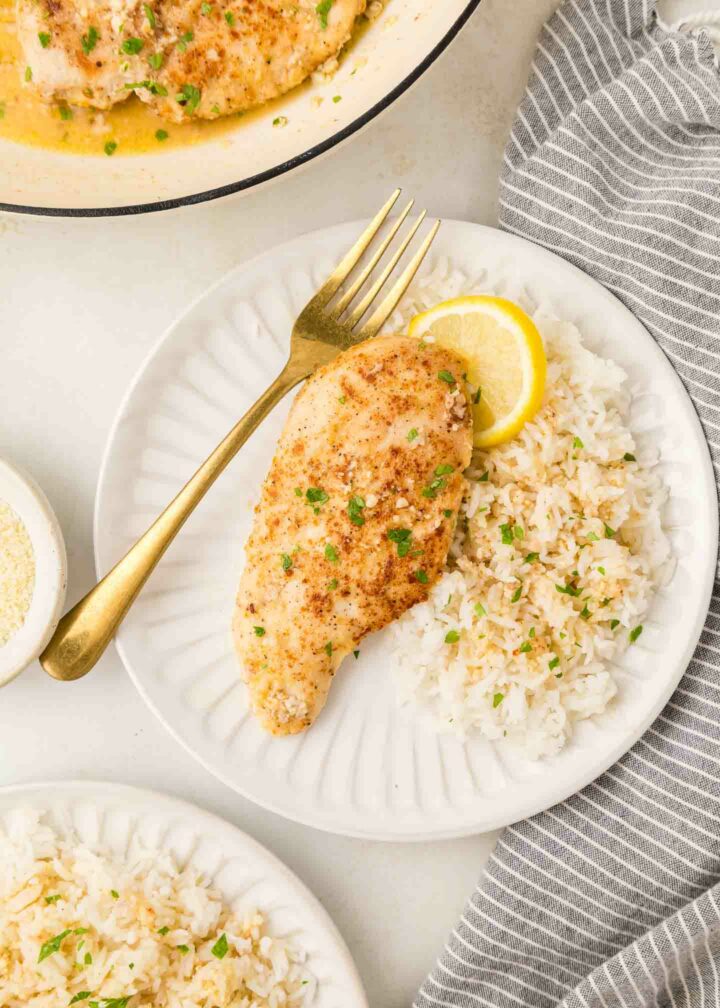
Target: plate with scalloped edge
x=368 y=767
x=114 y=819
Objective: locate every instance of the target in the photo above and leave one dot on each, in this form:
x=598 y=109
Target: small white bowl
x=30 y=504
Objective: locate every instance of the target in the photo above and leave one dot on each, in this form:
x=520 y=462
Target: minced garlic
x=17 y=573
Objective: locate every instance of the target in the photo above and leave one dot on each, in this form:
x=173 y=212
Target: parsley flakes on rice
x=81 y=928
x=559 y=549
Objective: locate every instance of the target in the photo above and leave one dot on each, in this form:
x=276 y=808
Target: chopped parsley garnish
x=230 y=18
x=220 y=948
x=516 y=594
x=52 y=945
x=356 y=506
x=609 y=533
x=80 y=996
x=44 y=39
x=28 y=74
x=357 y=654
x=337 y=98
x=184 y=39
x=402 y=538
x=485 y=477
x=634 y=634
x=593 y=537
x=480 y=610
x=506 y=534
x=205 y=8
x=118 y=1002
x=331 y=553
x=110 y=147
x=444 y=470
x=150 y=15
x=65 y=113
x=447 y=377
x=322 y=10
x=568 y=589
x=531 y=558
x=163 y=930
x=525 y=647
x=498 y=699
x=189 y=97
x=577 y=443
x=132 y=46
x=629 y=457
x=53 y=899
x=161 y=135
x=316 y=496
x=286 y=560
x=151 y=86
x=421 y=576
x=553 y=663
x=259 y=631
x=448 y=513
x=88 y=959
x=531 y=632
x=601 y=570
x=156 y=60
x=89 y=41
x=332 y=585
x=614 y=623
x=342 y=399
x=183 y=948
x=413 y=433
x=115 y=894
x=452 y=637
x=298 y=492
x=431 y=490
x=519 y=532
x=585 y=612
x=329 y=649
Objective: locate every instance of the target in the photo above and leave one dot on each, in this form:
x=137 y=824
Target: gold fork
x=324 y=328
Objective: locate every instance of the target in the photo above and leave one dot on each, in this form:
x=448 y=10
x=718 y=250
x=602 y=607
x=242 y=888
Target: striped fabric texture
x=613 y=897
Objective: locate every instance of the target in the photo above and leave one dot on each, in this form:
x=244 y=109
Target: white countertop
x=82 y=303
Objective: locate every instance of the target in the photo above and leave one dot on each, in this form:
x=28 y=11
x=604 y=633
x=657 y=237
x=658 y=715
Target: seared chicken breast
x=355 y=519
x=202 y=58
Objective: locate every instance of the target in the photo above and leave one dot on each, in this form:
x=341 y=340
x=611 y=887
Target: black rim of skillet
x=271 y=173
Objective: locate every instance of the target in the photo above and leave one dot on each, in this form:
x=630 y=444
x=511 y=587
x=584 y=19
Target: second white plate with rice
x=122 y=898
x=575 y=596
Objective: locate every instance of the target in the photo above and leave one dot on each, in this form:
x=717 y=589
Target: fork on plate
x=331 y=321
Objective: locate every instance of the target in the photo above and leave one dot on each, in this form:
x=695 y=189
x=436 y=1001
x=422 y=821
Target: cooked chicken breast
x=202 y=58
x=355 y=519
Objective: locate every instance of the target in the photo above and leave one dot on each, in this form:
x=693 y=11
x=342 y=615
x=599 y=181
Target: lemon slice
x=505 y=360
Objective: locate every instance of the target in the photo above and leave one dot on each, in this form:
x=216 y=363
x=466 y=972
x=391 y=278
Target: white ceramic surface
x=365 y=768
x=32 y=506
x=111 y=817
x=378 y=66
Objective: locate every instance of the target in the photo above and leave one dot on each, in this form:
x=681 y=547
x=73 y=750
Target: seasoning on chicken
x=203 y=58
x=355 y=519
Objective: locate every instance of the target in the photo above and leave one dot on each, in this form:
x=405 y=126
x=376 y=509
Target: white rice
x=130 y=934
x=531 y=660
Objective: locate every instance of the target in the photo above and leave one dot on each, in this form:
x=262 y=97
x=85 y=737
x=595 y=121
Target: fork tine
x=352 y=256
x=389 y=302
x=358 y=312
x=342 y=303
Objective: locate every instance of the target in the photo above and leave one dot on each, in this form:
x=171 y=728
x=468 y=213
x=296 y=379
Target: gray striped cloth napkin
x=612 y=898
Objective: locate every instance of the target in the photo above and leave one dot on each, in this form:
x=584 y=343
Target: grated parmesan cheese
x=17 y=573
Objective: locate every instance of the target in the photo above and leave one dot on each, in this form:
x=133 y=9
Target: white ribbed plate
x=365 y=768
x=111 y=816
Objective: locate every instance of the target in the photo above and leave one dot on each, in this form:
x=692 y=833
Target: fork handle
x=86 y=630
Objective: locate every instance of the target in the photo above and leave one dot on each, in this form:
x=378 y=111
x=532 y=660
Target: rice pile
x=558 y=551
x=79 y=927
